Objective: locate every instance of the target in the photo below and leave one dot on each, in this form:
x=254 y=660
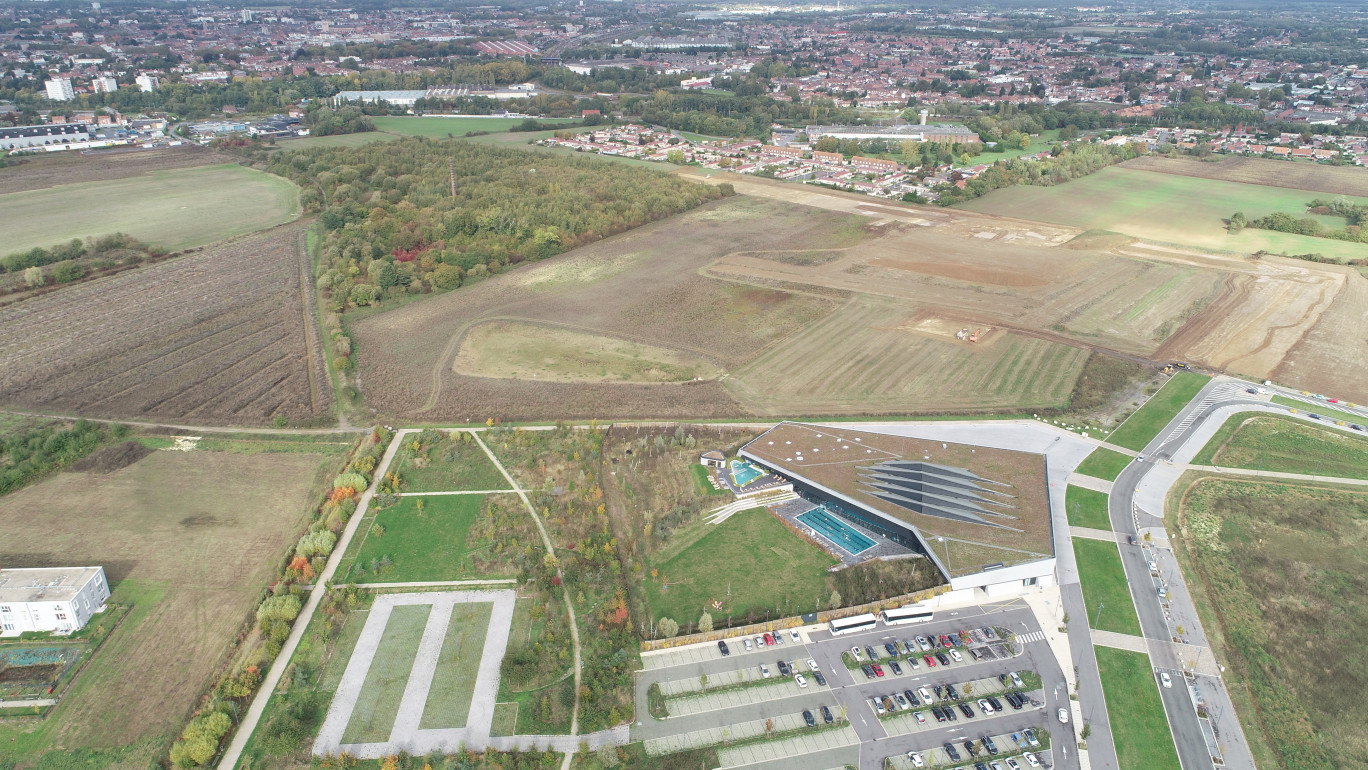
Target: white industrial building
x=147 y=83
x=41 y=137
x=58 y=599
x=60 y=90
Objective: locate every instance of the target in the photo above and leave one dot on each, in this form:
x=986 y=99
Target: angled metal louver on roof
x=943 y=491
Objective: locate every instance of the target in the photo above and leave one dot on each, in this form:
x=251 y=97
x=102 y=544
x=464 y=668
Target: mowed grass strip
x=427 y=543
x=175 y=209
x=1087 y=508
x=1324 y=410
x=378 y=704
x=1141 y=428
x=453 y=684
x=752 y=554
x=1139 y=727
x=1286 y=445
x=1104 y=463
x=1104 y=583
x=451 y=467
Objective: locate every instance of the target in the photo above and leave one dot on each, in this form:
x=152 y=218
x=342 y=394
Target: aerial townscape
x=683 y=385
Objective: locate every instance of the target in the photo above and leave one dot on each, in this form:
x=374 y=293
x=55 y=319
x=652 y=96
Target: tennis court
x=838 y=532
x=743 y=473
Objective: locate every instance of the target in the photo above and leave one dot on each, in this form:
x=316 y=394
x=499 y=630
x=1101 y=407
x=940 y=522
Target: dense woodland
x=393 y=225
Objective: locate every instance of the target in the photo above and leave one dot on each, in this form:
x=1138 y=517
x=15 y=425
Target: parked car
x=902 y=701
x=921 y=717
x=985 y=706
x=748 y=645
x=778 y=639
x=950 y=713
x=924 y=643
x=826 y=715
x=879 y=706
x=889 y=704
x=1016 y=679
x=868 y=671
x=916 y=759
x=951 y=693
x=769 y=640
x=913 y=663
x=967 y=709
x=793 y=634
x=878 y=670
x=944 y=661
x=821 y=680
x=952 y=751
x=970 y=747
x=989 y=633
x=944 y=640
x=956 y=656
x=937 y=713
x=1031 y=759
x=759 y=642
x=764 y=671
x=955 y=641
x=856 y=652
x=892 y=651
x=926 y=696
x=801 y=680
x=910 y=645
x=930 y=661
x=722 y=646
x=995 y=703
x=988 y=744
x=783 y=669
x=1031 y=737
x=812 y=665
x=1012 y=764
x=807 y=717
x=869 y=650
x=893 y=664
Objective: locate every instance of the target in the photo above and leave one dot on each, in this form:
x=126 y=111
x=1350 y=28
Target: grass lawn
x=1288 y=445
x=1324 y=410
x=505 y=719
x=175 y=209
x=1087 y=508
x=1104 y=463
x=450 y=467
x=1277 y=567
x=753 y=554
x=703 y=481
x=1170 y=208
x=453 y=684
x=1104 y=582
x=378 y=704
x=431 y=543
x=1139 y=727
x=336 y=140
x=1037 y=144
x=1141 y=428
x=440 y=127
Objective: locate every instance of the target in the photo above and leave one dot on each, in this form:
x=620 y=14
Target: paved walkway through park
x=406 y=735
x=1088 y=533
x=1120 y=641
x=24 y=704
x=1090 y=482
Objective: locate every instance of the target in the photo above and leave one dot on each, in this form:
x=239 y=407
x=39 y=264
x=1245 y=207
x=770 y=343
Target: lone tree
x=705 y=623
x=667 y=627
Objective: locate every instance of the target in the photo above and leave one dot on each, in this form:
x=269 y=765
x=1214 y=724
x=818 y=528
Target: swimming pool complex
x=843 y=535
x=743 y=473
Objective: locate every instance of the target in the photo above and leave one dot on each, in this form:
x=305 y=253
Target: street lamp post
x=1098 y=619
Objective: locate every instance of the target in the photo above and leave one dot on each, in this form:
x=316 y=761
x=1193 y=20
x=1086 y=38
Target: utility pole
x=451 y=164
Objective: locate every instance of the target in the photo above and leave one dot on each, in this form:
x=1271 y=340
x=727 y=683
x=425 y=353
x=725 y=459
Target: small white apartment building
x=59 y=599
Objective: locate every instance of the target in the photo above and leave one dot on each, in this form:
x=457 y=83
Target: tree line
x=393 y=225
x=1069 y=163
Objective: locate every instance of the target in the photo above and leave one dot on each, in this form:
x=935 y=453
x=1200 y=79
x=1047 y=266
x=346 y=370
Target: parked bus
x=909 y=614
x=853 y=624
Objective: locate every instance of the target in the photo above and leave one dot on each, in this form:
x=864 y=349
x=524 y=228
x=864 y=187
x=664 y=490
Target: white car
x=912 y=663
x=924 y=643
x=917 y=761
x=856 y=652
x=1166 y=679
x=921 y=717
x=764 y=670
x=812 y=664
x=759 y=642
x=1031 y=759
x=1012 y=764
x=985 y=706
x=1016 y=679
x=879 y=706
x=802 y=682
x=748 y=644
x=794 y=636
x=926 y=696
x=1063 y=716
x=954 y=655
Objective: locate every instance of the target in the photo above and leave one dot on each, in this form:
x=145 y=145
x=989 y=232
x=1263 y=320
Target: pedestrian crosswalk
x=1220 y=393
x=1034 y=636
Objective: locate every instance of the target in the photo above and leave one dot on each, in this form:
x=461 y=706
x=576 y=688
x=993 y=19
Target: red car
x=769 y=640
x=930 y=661
x=945 y=641
x=878 y=670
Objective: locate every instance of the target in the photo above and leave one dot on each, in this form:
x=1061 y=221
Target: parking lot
x=728 y=701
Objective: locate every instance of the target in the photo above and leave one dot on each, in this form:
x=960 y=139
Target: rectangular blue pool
x=843 y=535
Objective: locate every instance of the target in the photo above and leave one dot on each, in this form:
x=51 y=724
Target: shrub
x=199 y=741
x=283 y=608
x=318 y=543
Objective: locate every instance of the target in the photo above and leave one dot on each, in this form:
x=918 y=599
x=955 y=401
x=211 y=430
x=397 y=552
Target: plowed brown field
x=58 y=168
x=225 y=335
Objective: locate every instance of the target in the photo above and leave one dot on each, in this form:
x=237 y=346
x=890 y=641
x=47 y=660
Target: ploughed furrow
x=170 y=388
x=231 y=390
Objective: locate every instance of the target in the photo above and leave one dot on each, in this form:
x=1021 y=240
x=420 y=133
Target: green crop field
x=453 y=683
x=1104 y=583
x=1139 y=727
x=1287 y=445
x=1087 y=508
x=378 y=704
x=755 y=557
x=428 y=543
x=440 y=127
x=1182 y=210
x=1104 y=463
x=336 y=140
x=175 y=209
x=1277 y=568
x=1141 y=428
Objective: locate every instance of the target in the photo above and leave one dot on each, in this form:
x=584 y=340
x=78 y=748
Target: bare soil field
x=190 y=539
x=226 y=335
x=1332 y=357
x=1333 y=180
x=510 y=350
x=58 y=168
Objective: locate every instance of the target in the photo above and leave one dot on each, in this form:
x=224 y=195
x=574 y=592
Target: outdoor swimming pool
x=743 y=473
x=843 y=535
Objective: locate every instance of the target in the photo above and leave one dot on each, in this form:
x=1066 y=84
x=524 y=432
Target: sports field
x=1139 y=727
x=1104 y=583
x=1288 y=445
x=1169 y=208
x=1104 y=463
x=440 y=127
x=1087 y=508
x=1141 y=427
x=421 y=538
x=175 y=209
x=189 y=539
x=752 y=555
